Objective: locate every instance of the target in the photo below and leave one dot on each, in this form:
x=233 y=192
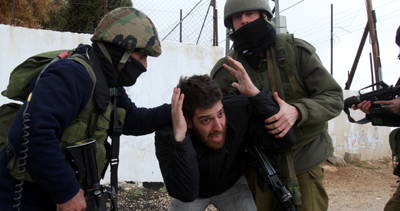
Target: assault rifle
x=267 y=178
x=385 y=93
x=83 y=160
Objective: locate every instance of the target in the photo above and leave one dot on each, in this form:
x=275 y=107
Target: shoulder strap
x=81 y=59
x=281 y=40
x=274 y=74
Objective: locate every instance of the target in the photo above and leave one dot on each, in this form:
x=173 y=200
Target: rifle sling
x=276 y=86
x=115 y=144
x=274 y=74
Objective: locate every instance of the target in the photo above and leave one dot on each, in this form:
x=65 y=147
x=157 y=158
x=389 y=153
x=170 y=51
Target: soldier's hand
x=280 y=123
x=392 y=104
x=363 y=106
x=77 y=203
x=244 y=84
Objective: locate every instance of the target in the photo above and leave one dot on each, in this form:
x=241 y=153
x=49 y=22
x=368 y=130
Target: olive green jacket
x=321 y=100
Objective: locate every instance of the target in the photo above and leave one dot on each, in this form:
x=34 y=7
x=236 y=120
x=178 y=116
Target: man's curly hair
x=200 y=91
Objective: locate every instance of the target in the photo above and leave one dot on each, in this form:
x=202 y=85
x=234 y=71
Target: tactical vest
x=277 y=72
x=88 y=124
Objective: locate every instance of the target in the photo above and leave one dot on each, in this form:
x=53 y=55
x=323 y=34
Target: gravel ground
x=151 y=196
x=366 y=186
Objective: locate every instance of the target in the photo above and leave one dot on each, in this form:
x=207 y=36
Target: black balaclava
x=253 y=37
x=129 y=73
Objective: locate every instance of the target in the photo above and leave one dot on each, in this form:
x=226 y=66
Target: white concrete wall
x=137 y=155
x=154 y=87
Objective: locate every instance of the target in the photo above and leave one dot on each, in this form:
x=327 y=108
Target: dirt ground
x=365 y=186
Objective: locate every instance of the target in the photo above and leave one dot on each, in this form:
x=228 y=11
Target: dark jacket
x=60 y=95
x=191 y=170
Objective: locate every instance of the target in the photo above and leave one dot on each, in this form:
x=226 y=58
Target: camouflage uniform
x=71 y=102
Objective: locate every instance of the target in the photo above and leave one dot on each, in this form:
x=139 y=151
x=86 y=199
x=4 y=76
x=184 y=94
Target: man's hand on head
x=178 y=120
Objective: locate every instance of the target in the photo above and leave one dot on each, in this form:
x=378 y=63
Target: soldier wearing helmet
x=307 y=94
x=78 y=98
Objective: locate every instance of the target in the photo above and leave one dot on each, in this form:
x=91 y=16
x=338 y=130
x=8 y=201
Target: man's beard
x=205 y=139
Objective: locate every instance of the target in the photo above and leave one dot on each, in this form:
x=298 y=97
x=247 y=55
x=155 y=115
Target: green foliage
x=28 y=13
x=164 y=189
x=138 y=192
x=59 y=15
x=385 y=161
x=371 y=168
x=83 y=15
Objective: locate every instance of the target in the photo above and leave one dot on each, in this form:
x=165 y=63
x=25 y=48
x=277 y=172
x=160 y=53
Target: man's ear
x=189 y=123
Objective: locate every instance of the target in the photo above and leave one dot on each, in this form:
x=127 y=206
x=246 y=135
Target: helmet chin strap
x=123 y=60
x=104 y=50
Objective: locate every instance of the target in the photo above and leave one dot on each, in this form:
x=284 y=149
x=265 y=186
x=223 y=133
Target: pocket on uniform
x=77 y=131
x=317 y=173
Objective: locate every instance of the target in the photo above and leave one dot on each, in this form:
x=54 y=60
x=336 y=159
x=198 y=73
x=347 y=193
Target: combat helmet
x=237 y=6
x=129 y=29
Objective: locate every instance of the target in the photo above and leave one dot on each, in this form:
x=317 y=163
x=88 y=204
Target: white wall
x=154 y=87
x=137 y=154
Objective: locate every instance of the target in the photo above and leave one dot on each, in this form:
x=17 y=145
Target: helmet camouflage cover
x=130 y=29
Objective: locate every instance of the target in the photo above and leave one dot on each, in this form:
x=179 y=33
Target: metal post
x=277 y=18
x=355 y=63
x=180 y=27
x=215 y=19
x=372 y=71
x=13 y=13
x=374 y=41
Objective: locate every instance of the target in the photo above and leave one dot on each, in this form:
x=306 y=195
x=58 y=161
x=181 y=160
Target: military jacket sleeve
x=325 y=99
x=178 y=164
x=59 y=96
x=141 y=121
x=262 y=106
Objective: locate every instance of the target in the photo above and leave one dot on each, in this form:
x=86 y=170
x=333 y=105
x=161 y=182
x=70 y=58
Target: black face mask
x=253 y=37
x=131 y=71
